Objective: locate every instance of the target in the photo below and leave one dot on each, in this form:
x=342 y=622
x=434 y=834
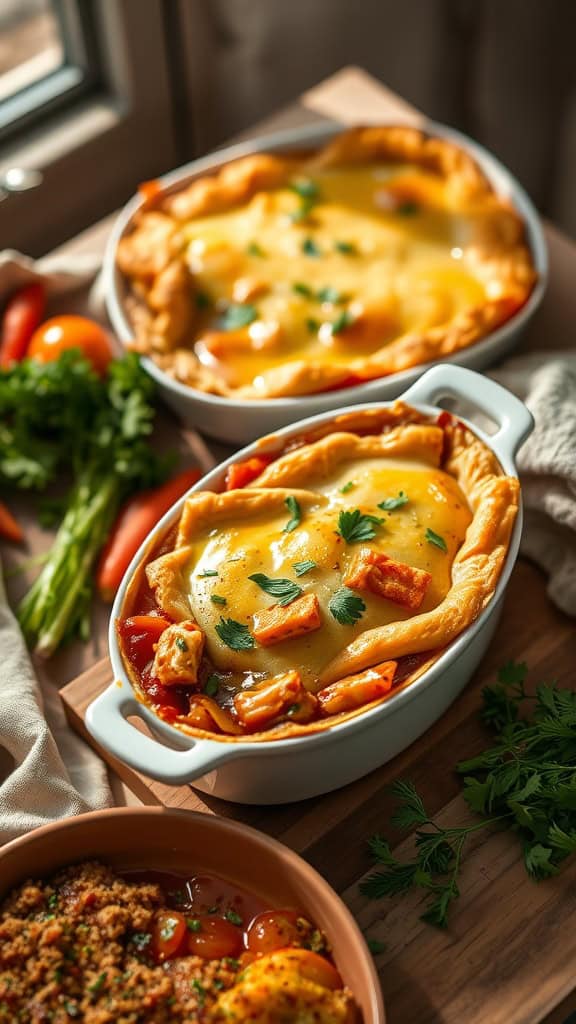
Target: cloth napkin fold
x=53 y=773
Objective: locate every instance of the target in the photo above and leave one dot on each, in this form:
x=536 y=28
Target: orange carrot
x=135 y=520
x=9 y=528
x=240 y=474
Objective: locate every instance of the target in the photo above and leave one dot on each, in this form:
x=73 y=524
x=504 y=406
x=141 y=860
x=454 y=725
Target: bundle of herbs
x=61 y=421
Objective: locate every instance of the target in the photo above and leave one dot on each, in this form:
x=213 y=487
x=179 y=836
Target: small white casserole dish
x=284 y=770
x=241 y=420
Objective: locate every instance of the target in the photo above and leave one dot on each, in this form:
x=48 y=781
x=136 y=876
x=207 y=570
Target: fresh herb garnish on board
x=389 y=504
x=300 y=568
x=355 y=526
x=346 y=607
x=295 y=513
x=238 y=315
x=524 y=782
x=285 y=591
x=436 y=540
x=235 y=635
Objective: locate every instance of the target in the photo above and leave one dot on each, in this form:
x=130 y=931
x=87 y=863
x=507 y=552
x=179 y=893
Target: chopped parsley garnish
x=346 y=248
x=52 y=900
x=300 y=568
x=194 y=924
x=330 y=294
x=235 y=635
x=216 y=599
x=141 y=940
x=211 y=685
x=356 y=526
x=295 y=513
x=203 y=300
x=168 y=929
x=233 y=917
x=309 y=248
x=347 y=487
x=72 y=1009
x=346 y=607
x=253 y=249
x=375 y=946
x=389 y=504
x=199 y=987
x=436 y=540
x=232 y=963
x=181 y=643
x=285 y=591
x=408 y=208
x=238 y=315
x=302 y=289
x=342 y=321
x=207 y=572
x=97 y=985
x=303 y=211
x=313 y=326
x=305 y=188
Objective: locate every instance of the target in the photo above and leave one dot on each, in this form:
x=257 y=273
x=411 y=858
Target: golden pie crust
x=454 y=492
x=411 y=289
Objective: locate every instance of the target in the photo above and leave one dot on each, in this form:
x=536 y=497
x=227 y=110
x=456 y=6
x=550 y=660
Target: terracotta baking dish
x=178 y=841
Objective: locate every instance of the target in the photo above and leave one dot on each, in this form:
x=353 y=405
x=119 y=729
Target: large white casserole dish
x=279 y=771
x=239 y=421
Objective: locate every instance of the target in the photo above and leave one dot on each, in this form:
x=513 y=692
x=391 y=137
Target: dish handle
x=515 y=422
x=107 y=721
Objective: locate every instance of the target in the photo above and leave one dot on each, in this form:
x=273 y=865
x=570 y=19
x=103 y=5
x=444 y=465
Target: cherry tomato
x=214 y=938
x=23 y=313
x=65 y=332
x=314 y=967
x=272 y=930
x=168 y=931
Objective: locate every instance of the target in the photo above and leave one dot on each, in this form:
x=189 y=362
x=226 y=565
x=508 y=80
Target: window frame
x=120 y=129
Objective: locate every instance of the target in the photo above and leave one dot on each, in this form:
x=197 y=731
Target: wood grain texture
x=500 y=960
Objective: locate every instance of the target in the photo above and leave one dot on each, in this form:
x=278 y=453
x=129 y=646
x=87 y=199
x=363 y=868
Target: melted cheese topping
x=235 y=551
x=406 y=270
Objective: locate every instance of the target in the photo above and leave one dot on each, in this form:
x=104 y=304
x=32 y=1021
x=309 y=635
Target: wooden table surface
x=509 y=955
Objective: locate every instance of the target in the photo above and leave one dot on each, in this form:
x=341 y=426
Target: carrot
x=24 y=312
x=9 y=528
x=135 y=521
x=240 y=474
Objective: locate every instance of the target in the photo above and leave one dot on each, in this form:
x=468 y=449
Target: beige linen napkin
x=547 y=466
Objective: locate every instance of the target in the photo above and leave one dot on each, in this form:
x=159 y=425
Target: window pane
x=31 y=46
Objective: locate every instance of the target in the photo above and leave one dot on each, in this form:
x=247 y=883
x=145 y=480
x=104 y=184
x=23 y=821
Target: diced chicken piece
x=205 y=713
x=357 y=691
x=277 y=623
x=149 y=248
x=283 y=697
x=384 y=576
x=178 y=654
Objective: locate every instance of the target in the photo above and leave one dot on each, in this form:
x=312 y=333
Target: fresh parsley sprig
x=525 y=781
x=285 y=591
x=355 y=526
x=346 y=607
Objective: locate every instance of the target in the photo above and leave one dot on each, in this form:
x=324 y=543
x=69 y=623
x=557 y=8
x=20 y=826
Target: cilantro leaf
x=283 y=589
x=300 y=568
x=295 y=513
x=356 y=526
x=235 y=635
x=346 y=606
x=389 y=504
x=436 y=540
x=212 y=685
x=238 y=315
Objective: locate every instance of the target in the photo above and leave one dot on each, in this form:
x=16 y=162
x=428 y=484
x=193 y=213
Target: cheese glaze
x=238 y=549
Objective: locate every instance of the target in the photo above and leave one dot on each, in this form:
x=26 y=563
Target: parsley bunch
x=58 y=419
x=525 y=781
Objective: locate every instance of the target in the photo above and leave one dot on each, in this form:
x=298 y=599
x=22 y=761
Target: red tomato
x=23 y=313
x=214 y=938
x=272 y=930
x=65 y=332
x=243 y=473
x=168 y=931
x=139 y=634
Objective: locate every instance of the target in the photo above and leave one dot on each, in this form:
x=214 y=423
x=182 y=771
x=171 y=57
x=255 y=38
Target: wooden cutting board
x=509 y=954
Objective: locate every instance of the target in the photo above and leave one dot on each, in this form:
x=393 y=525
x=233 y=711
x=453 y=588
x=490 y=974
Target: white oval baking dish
x=240 y=421
x=279 y=771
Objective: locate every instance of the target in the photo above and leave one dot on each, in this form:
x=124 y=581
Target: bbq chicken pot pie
x=338 y=573
x=294 y=274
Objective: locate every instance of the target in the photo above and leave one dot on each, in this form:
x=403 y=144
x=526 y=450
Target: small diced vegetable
x=240 y=474
x=282 y=696
x=285 y=623
x=356 y=691
x=384 y=576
